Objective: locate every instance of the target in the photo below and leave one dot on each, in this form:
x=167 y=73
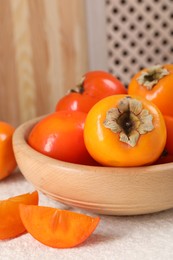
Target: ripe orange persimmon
x=57 y=228
x=60 y=136
x=10 y=221
x=167 y=155
x=7 y=159
x=155 y=84
x=124 y=130
x=169 y=140
x=94 y=86
x=75 y=101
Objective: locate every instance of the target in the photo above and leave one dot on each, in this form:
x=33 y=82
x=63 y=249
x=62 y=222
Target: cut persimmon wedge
x=10 y=221
x=57 y=228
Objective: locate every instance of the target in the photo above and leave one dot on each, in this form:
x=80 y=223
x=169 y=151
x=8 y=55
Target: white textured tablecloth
x=122 y=238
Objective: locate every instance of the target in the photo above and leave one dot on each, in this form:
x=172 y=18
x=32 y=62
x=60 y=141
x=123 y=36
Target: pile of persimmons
x=101 y=122
x=98 y=123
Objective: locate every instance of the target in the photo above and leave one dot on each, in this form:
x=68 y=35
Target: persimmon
x=57 y=228
x=7 y=158
x=60 y=136
x=124 y=130
x=167 y=155
x=75 y=101
x=101 y=84
x=164 y=158
x=155 y=84
x=93 y=86
x=10 y=221
x=169 y=140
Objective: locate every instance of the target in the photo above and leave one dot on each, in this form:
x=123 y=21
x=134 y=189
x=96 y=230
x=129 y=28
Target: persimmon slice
x=10 y=221
x=55 y=227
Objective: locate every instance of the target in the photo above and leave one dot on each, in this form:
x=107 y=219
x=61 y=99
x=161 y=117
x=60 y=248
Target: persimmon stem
x=129 y=120
x=125 y=122
x=151 y=76
x=79 y=87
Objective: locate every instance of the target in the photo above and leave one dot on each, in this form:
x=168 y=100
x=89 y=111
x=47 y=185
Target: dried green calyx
x=152 y=76
x=129 y=120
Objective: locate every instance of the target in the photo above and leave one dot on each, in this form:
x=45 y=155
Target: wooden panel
x=9 y=105
x=43 y=53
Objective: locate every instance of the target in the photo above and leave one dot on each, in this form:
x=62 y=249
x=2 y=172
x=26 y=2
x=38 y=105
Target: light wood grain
x=9 y=105
x=43 y=53
x=24 y=56
x=105 y=190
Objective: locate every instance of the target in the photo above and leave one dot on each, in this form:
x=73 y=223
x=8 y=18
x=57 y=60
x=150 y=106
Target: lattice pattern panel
x=139 y=34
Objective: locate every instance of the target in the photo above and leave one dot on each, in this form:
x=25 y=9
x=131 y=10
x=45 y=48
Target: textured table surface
x=135 y=237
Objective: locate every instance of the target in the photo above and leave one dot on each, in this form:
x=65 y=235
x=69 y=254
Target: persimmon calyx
x=152 y=76
x=79 y=87
x=130 y=120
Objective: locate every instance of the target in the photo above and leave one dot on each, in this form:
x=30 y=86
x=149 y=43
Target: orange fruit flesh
x=57 y=228
x=10 y=221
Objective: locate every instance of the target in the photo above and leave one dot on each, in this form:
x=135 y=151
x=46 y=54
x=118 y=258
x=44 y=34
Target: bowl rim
x=20 y=136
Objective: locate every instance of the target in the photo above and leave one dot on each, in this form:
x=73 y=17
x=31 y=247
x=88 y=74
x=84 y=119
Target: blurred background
x=47 y=45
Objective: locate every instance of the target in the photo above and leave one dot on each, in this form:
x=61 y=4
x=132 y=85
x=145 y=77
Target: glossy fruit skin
x=169 y=128
x=60 y=136
x=102 y=84
x=105 y=146
x=7 y=158
x=95 y=86
x=10 y=221
x=161 y=94
x=57 y=228
x=76 y=102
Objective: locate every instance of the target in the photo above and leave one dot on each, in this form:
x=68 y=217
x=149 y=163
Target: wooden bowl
x=103 y=190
